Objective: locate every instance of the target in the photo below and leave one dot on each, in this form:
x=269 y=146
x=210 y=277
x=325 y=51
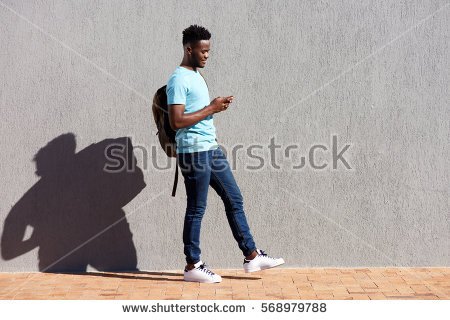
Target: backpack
x=166 y=134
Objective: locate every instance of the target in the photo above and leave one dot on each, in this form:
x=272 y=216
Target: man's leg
x=223 y=182
x=196 y=170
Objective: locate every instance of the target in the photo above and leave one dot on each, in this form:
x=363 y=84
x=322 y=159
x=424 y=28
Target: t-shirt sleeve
x=176 y=91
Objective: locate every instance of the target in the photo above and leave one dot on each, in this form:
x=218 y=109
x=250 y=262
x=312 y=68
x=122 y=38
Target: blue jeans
x=201 y=170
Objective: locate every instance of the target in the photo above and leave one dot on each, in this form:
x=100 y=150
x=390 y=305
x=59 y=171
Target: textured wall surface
x=77 y=75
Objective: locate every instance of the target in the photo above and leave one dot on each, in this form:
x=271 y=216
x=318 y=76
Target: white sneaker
x=261 y=261
x=201 y=273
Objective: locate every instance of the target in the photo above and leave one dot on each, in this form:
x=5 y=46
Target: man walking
x=202 y=161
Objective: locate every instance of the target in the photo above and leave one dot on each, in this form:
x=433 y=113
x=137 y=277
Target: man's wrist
x=208 y=109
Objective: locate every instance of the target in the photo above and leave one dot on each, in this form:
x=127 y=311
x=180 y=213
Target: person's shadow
x=74 y=212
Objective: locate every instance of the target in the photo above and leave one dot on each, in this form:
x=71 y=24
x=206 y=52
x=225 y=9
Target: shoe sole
x=202 y=281
x=259 y=269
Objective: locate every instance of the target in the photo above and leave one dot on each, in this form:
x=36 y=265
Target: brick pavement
x=272 y=284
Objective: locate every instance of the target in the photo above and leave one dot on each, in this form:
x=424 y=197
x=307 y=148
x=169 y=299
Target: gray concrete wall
x=77 y=75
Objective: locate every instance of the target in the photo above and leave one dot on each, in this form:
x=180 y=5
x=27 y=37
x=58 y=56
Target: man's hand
x=178 y=119
x=220 y=104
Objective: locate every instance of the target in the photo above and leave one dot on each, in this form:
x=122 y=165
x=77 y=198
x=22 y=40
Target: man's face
x=199 y=53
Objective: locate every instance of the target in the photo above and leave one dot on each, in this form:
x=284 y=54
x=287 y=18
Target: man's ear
x=189 y=48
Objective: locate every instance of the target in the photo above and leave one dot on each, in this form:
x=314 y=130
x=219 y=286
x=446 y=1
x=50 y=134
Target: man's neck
x=190 y=68
x=187 y=66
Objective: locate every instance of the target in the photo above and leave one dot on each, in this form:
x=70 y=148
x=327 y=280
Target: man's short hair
x=195 y=33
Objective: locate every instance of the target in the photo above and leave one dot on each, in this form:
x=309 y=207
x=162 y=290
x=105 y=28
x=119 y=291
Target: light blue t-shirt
x=189 y=88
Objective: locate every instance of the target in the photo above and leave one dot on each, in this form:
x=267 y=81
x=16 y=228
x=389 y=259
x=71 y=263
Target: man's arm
x=178 y=119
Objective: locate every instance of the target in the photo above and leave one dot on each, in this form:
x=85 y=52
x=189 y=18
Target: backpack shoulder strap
x=175 y=182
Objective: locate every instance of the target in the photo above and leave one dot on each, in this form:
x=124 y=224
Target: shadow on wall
x=75 y=209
